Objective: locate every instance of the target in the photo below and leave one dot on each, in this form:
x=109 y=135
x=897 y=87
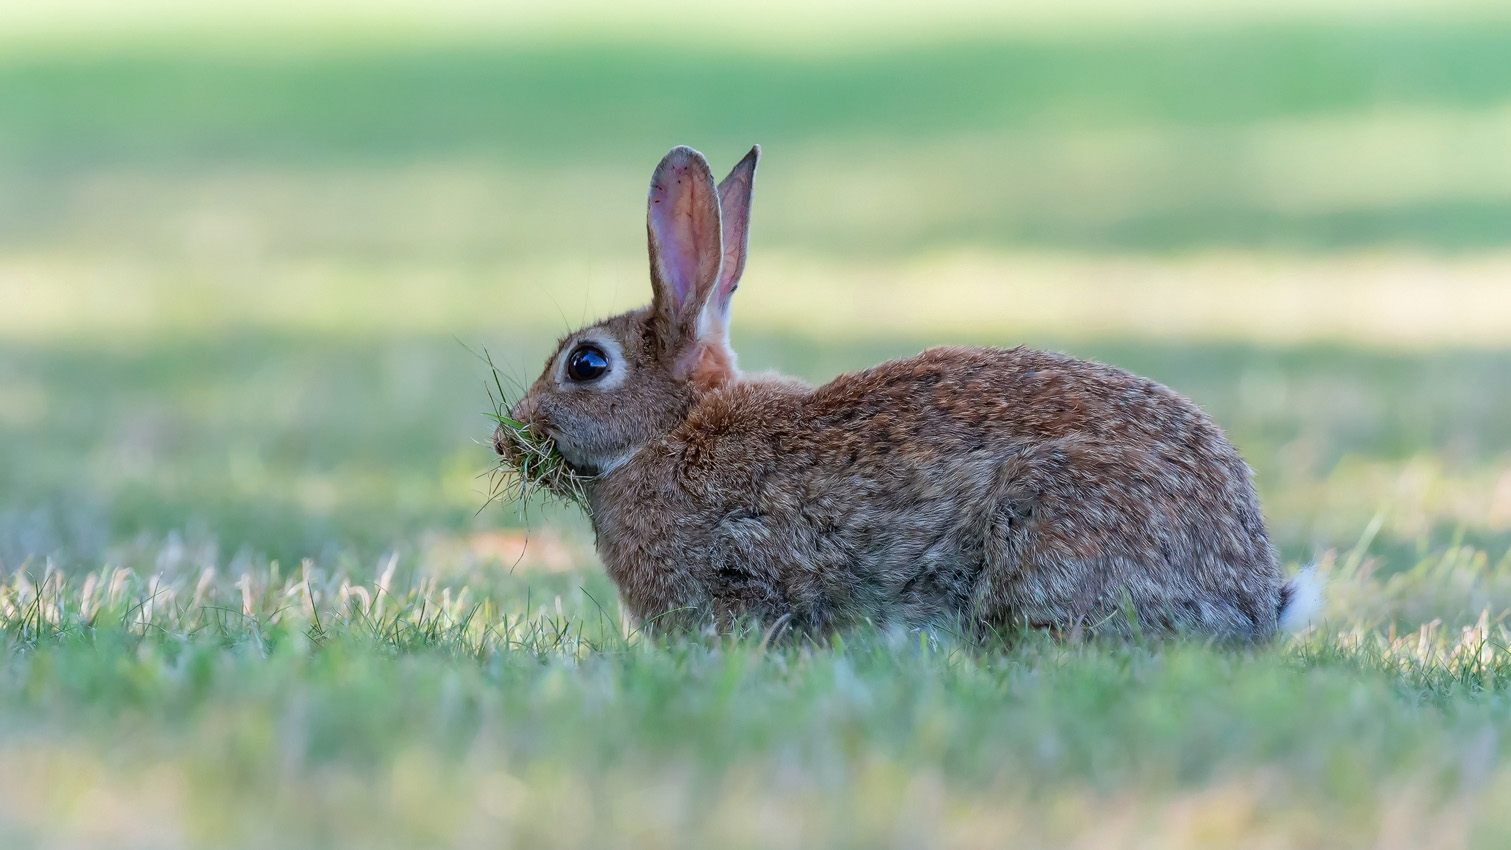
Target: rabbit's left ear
x=682 y=223
x=734 y=213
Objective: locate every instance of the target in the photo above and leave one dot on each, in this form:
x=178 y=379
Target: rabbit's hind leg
x=1079 y=541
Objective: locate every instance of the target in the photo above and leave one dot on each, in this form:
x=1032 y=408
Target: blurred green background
x=250 y=254
x=246 y=252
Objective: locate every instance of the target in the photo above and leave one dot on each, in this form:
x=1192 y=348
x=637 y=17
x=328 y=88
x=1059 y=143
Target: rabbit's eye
x=587 y=363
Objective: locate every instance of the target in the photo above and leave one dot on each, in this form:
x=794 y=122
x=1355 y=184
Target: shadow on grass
x=618 y=107
x=563 y=103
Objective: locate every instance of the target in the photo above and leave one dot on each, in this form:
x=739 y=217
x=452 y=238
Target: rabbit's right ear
x=682 y=225
x=734 y=214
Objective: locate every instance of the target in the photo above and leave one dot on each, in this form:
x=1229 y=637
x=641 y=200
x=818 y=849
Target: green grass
x=247 y=594
x=311 y=709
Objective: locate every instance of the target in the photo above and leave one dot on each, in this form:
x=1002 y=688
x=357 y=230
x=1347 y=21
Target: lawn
x=250 y=591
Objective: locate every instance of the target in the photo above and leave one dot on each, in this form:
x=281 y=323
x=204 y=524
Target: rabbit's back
x=1004 y=487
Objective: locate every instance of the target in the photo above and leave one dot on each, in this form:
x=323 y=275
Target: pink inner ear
x=686 y=234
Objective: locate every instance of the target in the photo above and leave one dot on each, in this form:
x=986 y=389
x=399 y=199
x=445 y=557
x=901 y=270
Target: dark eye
x=587 y=363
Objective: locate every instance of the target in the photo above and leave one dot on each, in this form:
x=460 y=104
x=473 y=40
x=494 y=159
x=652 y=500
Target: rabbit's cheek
x=578 y=459
x=587 y=447
x=569 y=436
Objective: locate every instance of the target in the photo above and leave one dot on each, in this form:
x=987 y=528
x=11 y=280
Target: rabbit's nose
x=524 y=412
x=505 y=437
x=508 y=439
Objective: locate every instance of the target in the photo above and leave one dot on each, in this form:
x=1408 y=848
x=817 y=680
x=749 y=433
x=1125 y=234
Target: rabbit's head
x=611 y=388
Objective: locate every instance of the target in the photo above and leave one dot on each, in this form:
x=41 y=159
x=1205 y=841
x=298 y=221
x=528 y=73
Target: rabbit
x=999 y=489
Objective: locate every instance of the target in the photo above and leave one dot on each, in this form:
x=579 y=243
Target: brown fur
x=1003 y=488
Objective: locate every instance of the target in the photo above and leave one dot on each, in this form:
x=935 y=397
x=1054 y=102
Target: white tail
x=1301 y=600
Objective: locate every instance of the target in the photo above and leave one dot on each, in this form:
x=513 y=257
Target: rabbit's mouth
x=522 y=445
x=581 y=466
x=601 y=467
x=513 y=444
x=531 y=459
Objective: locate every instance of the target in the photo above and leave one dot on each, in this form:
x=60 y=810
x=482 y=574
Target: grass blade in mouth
x=528 y=461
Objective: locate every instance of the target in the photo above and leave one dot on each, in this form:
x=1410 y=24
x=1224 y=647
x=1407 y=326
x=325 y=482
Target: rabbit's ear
x=734 y=211
x=682 y=222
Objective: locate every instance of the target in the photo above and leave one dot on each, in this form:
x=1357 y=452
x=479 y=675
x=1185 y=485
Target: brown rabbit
x=1007 y=489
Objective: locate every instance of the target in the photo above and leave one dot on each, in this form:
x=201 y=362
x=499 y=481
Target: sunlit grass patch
x=249 y=704
x=1450 y=615
x=266 y=606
